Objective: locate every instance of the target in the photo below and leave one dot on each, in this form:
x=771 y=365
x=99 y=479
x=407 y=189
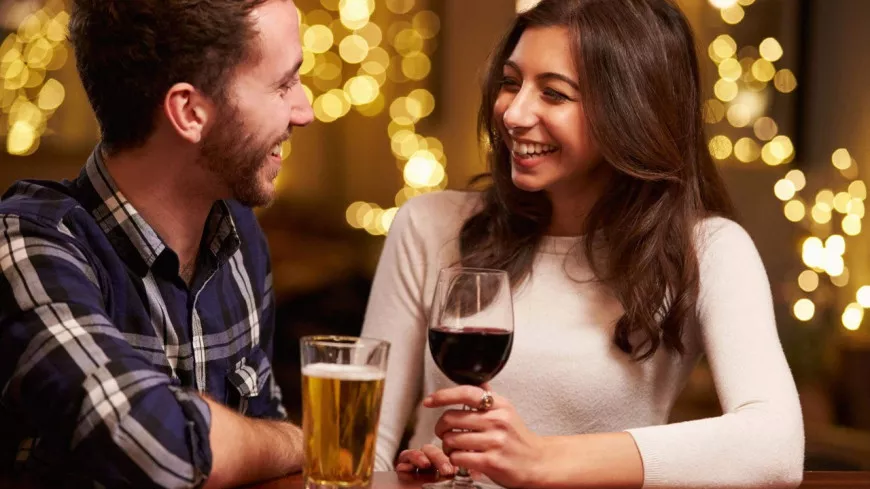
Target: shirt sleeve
x=395 y=313
x=70 y=375
x=759 y=440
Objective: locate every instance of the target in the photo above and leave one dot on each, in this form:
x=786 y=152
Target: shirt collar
x=135 y=241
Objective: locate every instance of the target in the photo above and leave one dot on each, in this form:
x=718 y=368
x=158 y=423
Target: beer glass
x=342 y=387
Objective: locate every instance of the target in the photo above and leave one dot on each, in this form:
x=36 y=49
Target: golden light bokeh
x=840 y=280
x=851 y=225
x=317 y=39
x=730 y=69
x=747 y=150
x=745 y=71
x=426 y=23
x=785 y=81
x=842 y=201
x=770 y=49
x=853 y=316
x=863 y=296
x=723 y=47
x=841 y=159
x=813 y=252
x=714 y=111
x=821 y=214
x=836 y=244
x=763 y=70
x=856 y=207
x=353 y=49
x=804 y=309
x=798 y=178
x=825 y=199
x=765 y=128
x=400 y=6
x=28 y=96
x=739 y=115
x=808 y=281
x=733 y=14
x=794 y=210
x=784 y=189
x=416 y=66
x=725 y=90
x=720 y=147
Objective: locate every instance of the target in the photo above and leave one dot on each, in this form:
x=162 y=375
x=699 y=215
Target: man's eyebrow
x=290 y=74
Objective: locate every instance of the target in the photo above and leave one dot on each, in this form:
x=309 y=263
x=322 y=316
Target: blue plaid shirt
x=104 y=348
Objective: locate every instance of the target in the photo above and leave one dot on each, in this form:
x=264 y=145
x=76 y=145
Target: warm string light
x=742 y=96
x=349 y=61
x=28 y=97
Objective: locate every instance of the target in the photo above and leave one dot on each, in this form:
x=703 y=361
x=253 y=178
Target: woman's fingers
x=456 y=419
x=463 y=394
x=415 y=458
x=469 y=441
x=438 y=459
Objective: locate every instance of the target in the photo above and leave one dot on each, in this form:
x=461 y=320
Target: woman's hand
x=495 y=442
x=427 y=458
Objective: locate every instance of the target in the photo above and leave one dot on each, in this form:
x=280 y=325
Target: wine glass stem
x=463 y=479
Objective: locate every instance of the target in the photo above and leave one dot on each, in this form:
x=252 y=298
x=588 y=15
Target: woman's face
x=540 y=116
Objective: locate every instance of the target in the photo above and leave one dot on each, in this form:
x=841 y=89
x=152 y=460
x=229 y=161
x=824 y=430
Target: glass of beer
x=342 y=387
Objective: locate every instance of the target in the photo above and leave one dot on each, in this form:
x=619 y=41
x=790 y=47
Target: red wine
x=470 y=355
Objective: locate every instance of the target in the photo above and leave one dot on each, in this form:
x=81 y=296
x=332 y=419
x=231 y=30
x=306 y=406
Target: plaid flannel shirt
x=104 y=348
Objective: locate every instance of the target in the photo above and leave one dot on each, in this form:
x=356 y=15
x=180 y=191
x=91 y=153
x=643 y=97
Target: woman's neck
x=573 y=200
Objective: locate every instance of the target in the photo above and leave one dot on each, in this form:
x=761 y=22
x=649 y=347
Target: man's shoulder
x=45 y=202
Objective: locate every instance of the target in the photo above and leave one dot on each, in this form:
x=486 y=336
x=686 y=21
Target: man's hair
x=129 y=53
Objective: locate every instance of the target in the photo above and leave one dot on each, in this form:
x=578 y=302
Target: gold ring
x=486 y=401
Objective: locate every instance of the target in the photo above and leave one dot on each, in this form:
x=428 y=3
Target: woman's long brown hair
x=640 y=88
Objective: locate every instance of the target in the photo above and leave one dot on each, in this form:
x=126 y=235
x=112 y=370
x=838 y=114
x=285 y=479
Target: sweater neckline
x=559 y=245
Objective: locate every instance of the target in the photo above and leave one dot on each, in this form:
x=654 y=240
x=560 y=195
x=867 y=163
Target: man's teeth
x=524 y=149
x=276 y=150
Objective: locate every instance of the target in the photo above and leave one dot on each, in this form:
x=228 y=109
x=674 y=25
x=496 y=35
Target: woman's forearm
x=609 y=460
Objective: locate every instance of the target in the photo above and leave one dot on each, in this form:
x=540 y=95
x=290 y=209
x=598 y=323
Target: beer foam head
x=343 y=372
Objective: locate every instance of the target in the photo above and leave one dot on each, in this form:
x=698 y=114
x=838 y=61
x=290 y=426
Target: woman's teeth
x=533 y=149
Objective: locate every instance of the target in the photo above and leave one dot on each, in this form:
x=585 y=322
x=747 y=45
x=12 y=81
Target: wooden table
x=392 y=480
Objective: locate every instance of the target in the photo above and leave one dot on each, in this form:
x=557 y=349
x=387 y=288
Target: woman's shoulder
x=721 y=239
x=439 y=212
x=444 y=200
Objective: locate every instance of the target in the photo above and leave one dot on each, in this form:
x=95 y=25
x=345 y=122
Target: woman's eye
x=508 y=82
x=555 y=95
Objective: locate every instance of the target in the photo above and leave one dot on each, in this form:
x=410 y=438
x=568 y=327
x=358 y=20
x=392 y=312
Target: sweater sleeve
x=396 y=313
x=759 y=440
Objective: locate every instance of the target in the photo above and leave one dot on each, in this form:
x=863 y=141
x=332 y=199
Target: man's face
x=264 y=102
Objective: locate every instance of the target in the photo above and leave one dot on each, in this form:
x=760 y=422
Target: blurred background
x=395 y=89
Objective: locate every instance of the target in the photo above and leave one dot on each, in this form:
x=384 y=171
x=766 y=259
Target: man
x=137 y=318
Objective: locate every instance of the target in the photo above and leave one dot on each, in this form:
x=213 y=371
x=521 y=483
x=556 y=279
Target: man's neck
x=163 y=187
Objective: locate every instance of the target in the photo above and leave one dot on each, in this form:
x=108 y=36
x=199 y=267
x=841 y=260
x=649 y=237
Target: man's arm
x=70 y=373
x=246 y=450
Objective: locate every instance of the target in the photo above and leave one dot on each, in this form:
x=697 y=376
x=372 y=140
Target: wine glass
x=470 y=335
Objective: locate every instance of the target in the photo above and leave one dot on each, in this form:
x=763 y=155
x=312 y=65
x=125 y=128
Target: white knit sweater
x=565 y=376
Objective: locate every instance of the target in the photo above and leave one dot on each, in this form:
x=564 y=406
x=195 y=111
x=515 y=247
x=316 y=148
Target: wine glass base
x=453 y=484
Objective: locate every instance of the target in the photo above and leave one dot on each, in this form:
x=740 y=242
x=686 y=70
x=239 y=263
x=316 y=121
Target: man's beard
x=237 y=157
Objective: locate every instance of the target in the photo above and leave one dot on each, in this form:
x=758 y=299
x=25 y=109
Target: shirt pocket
x=248 y=380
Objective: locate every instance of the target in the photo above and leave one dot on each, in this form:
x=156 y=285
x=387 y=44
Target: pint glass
x=342 y=387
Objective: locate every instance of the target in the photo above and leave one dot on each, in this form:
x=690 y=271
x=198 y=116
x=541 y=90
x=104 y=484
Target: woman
x=607 y=212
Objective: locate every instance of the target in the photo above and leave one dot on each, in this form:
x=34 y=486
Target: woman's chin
x=523 y=182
